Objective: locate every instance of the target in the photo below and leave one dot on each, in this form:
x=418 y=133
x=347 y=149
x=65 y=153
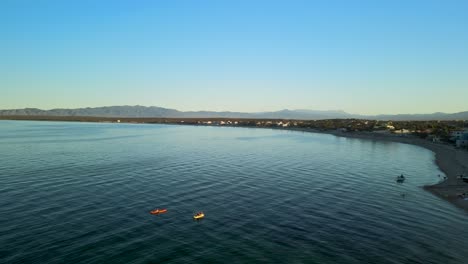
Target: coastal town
x=450 y=132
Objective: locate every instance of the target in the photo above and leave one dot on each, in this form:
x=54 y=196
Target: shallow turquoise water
x=81 y=192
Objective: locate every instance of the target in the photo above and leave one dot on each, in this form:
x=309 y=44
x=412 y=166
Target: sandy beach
x=451 y=161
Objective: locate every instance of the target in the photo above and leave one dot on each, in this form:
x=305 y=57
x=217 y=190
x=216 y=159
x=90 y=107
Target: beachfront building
x=462 y=141
x=459 y=134
x=402 y=131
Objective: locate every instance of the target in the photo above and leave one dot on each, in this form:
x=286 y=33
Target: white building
x=461 y=138
x=402 y=131
x=458 y=134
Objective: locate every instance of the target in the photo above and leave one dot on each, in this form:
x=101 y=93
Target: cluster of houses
x=459 y=137
x=233 y=123
x=274 y=123
x=217 y=123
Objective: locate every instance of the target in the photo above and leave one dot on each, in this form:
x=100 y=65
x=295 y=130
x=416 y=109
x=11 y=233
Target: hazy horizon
x=366 y=57
x=208 y=110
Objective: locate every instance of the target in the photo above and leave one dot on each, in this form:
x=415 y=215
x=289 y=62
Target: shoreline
x=451 y=161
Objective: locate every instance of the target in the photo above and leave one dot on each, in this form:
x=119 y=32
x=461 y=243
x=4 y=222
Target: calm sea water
x=81 y=192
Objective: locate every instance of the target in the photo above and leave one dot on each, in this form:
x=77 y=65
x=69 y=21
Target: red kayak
x=158 y=211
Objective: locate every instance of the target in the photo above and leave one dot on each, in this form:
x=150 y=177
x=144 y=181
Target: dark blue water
x=81 y=192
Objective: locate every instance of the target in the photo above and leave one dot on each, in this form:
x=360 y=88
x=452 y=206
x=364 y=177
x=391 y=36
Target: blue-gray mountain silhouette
x=153 y=111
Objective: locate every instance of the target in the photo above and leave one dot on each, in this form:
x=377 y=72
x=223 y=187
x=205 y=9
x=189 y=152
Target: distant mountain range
x=153 y=111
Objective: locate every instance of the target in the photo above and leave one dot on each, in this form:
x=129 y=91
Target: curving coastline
x=451 y=161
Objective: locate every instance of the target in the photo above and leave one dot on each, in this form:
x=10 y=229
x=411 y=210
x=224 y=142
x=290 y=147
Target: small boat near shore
x=158 y=211
x=199 y=215
x=400 y=178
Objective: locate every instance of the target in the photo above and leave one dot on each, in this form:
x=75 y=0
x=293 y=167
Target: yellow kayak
x=198 y=216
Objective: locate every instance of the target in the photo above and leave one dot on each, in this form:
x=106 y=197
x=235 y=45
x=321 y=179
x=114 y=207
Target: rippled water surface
x=81 y=192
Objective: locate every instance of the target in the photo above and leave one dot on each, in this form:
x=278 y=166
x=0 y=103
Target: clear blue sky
x=363 y=57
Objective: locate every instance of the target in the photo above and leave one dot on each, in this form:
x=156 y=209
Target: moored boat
x=400 y=178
